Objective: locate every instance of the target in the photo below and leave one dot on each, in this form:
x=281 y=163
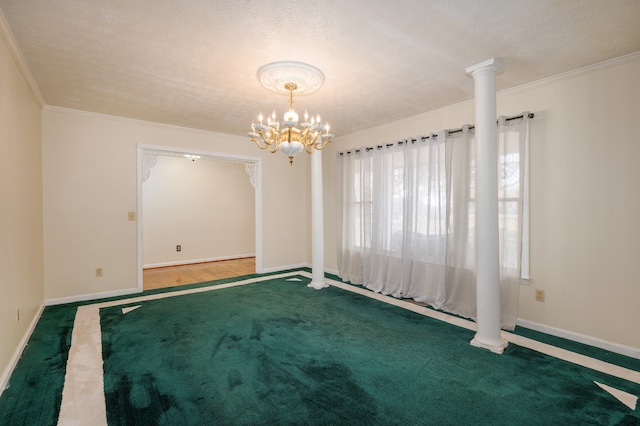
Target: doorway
x=161 y=228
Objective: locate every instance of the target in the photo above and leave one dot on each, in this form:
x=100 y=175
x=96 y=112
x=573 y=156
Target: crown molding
x=137 y=121
x=608 y=63
x=7 y=36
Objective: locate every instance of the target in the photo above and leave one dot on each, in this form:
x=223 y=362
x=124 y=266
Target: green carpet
x=280 y=353
x=35 y=387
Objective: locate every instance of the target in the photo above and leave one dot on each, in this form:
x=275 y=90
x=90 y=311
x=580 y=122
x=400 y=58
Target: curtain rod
x=449 y=132
x=507 y=119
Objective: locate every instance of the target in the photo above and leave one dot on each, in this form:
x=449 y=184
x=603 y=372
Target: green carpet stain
x=234 y=378
x=256 y=330
x=139 y=403
x=338 y=397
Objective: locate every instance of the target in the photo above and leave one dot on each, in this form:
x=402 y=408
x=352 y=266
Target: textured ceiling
x=193 y=63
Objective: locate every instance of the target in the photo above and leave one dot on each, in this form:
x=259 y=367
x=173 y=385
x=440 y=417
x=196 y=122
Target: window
x=407 y=222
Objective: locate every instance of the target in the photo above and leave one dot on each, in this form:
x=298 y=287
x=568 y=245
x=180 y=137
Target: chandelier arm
x=258 y=143
x=304 y=137
x=323 y=144
x=273 y=145
x=270 y=143
x=310 y=145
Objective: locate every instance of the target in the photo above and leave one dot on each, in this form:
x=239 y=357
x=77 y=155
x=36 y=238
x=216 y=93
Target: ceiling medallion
x=292 y=137
x=277 y=75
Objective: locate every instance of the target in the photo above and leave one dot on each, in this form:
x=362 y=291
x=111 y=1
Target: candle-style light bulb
x=318 y=119
x=306 y=116
x=273 y=115
x=253 y=125
x=260 y=118
x=313 y=121
x=326 y=126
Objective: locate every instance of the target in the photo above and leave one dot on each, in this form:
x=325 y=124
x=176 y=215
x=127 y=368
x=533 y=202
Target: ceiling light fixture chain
x=293 y=137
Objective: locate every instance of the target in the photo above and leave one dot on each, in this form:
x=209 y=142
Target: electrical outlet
x=539 y=295
x=178 y=247
x=98 y=272
x=132 y=216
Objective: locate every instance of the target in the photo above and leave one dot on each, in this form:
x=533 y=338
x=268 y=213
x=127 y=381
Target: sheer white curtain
x=513 y=194
x=406 y=218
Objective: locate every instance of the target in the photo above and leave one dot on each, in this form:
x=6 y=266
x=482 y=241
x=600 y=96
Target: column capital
x=493 y=64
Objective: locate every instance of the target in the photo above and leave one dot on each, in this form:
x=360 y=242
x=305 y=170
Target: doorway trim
x=254 y=169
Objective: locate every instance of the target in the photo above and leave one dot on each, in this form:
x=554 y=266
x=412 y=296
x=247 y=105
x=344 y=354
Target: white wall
x=585 y=201
x=21 y=273
x=90 y=184
x=206 y=205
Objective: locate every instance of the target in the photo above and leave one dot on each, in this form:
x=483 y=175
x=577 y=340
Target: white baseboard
x=332 y=272
x=193 y=261
x=283 y=268
x=300 y=265
x=6 y=374
x=581 y=338
x=94 y=296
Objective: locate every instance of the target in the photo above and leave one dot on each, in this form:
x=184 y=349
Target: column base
x=495 y=346
x=318 y=285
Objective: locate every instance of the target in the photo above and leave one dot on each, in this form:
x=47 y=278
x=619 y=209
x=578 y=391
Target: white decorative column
x=488 y=335
x=317 y=225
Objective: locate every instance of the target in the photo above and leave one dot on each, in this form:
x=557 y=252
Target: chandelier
x=290 y=136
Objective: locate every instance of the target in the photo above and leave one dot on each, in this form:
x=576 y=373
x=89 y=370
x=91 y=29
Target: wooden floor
x=170 y=276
